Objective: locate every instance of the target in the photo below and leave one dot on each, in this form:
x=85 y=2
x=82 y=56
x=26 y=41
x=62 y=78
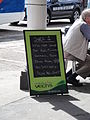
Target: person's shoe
x=74 y=82
x=69 y=73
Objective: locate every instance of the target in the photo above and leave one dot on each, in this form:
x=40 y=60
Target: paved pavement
x=16 y=104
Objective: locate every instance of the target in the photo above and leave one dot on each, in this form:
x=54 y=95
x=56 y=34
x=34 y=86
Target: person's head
x=86 y=16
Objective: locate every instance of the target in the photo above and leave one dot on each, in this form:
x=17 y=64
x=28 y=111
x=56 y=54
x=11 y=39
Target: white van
x=11 y=11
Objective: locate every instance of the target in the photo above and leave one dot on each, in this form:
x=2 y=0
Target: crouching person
x=76 y=46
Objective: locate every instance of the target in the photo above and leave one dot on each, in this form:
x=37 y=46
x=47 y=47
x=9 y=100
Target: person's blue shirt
x=85 y=29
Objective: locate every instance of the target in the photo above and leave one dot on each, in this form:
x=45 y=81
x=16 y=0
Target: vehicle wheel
x=75 y=16
x=14 y=23
x=48 y=18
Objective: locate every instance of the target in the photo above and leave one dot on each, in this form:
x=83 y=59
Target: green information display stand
x=45 y=62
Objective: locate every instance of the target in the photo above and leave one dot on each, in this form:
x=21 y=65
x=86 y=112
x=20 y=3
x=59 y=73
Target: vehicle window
x=64 y=0
x=48 y=0
x=61 y=0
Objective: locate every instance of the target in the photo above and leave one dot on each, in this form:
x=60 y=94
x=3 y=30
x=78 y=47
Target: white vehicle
x=11 y=11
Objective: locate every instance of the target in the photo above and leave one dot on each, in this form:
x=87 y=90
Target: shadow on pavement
x=10 y=35
x=19 y=25
x=59 y=23
x=64 y=103
x=84 y=89
x=51 y=24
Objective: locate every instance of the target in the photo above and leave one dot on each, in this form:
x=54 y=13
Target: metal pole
x=36 y=20
x=36 y=14
x=73 y=66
